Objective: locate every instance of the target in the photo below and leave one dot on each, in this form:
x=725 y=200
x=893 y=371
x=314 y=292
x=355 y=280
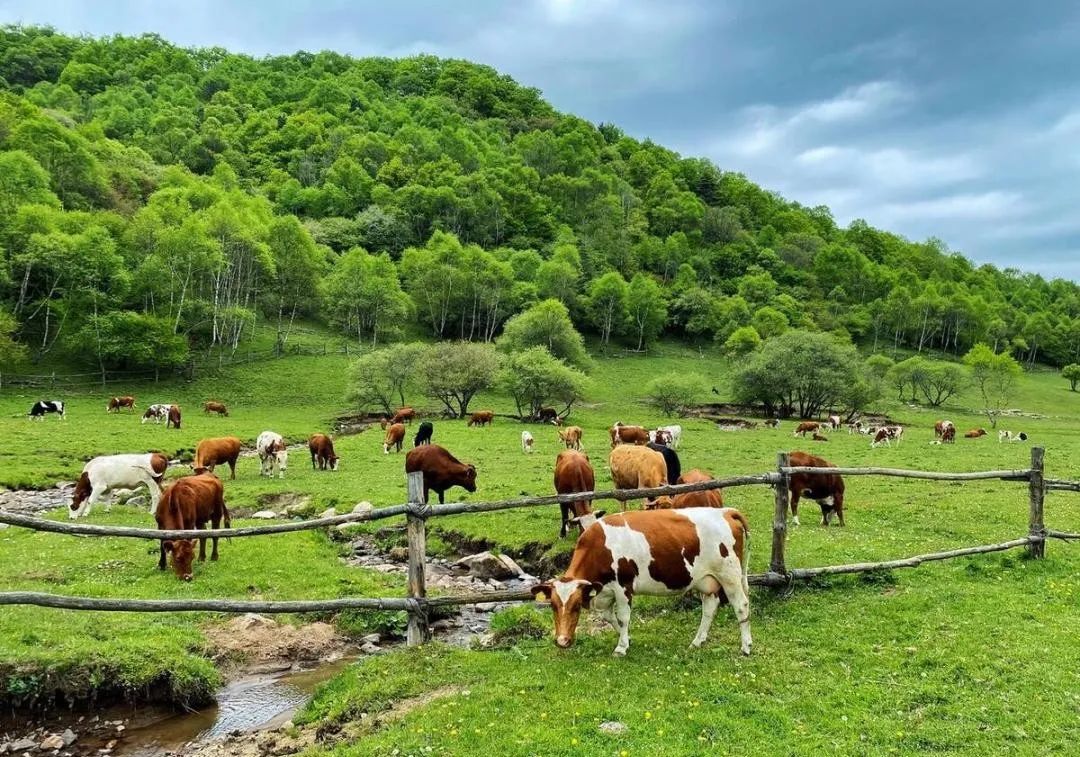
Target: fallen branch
x=910 y=562
x=1065 y=536
x=102 y=604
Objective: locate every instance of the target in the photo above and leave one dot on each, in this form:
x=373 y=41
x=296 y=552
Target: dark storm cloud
x=955 y=120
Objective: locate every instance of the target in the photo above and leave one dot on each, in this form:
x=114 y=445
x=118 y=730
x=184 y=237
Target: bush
x=523 y=621
x=674 y=393
x=1071 y=373
x=534 y=378
x=742 y=341
x=546 y=324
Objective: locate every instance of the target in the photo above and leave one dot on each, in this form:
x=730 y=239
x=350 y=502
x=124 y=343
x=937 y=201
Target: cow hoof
x=695 y=644
x=619 y=653
x=746 y=650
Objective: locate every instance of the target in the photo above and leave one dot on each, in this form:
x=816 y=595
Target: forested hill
x=155 y=200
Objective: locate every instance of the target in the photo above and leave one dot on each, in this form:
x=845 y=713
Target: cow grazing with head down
x=423 y=436
x=772 y=423
x=215 y=407
x=548 y=415
x=706 y=498
x=855 y=427
x=481 y=418
x=622 y=434
x=638 y=467
x=940 y=426
x=190 y=503
x=806 y=427
x=322 y=452
x=223 y=450
x=42 y=407
x=886 y=434
x=404 y=415
x=116 y=404
x=173 y=417
x=526 y=442
x=660 y=552
x=156 y=413
x=827 y=489
x=570 y=436
x=671 y=461
x=108 y=472
x=395 y=436
x=573 y=474
x=441 y=470
x=273 y=454
x=975 y=433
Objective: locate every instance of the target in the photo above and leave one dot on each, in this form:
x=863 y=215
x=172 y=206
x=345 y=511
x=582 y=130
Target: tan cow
x=806 y=427
x=573 y=474
x=634 y=467
x=190 y=503
x=404 y=415
x=571 y=437
x=215 y=407
x=218 y=451
x=622 y=434
x=395 y=434
x=482 y=418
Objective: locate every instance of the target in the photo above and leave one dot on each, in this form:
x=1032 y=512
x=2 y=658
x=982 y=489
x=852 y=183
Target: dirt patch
x=252 y=638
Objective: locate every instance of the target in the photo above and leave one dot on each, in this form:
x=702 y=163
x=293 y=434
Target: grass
x=969 y=656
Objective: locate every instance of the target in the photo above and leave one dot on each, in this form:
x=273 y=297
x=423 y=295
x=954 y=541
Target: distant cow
x=323 y=456
x=1009 y=436
x=634 y=467
x=190 y=503
x=975 y=433
x=441 y=470
x=772 y=423
x=395 y=435
x=886 y=434
x=108 y=472
x=622 y=434
x=669 y=435
x=215 y=407
x=940 y=427
x=855 y=427
x=118 y=403
x=404 y=415
x=173 y=418
x=218 y=451
x=706 y=498
x=806 y=427
x=548 y=415
x=655 y=553
x=948 y=436
x=570 y=436
x=526 y=442
x=834 y=422
x=423 y=436
x=827 y=489
x=671 y=460
x=156 y=413
x=819 y=438
x=574 y=473
x=42 y=407
x=273 y=453
x=481 y=418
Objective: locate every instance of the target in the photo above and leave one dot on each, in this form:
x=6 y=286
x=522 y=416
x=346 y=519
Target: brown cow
x=394 y=437
x=321 y=447
x=819 y=438
x=621 y=434
x=189 y=503
x=949 y=435
x=939 y=428
x=441 y=470
x=218 y=451
x=215 y=407
x=118 y=403
x=571 y=437
x=174 y=417
x=573 y=473
x=634 y=467
x=481 y=418
x=549 y=415
x=827 y=489
x=975 y=433
x=806 y=427
x=403 y=415
x=707 y=498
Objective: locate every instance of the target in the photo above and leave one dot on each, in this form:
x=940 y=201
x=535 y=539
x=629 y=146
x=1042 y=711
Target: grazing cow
x=706 y=498
x=215 y=407
x=404 y=415
x=108 y=472
x=669 y=435
x=819 y=438
x=548 y=415
x=41 y=407
x=772 y=423
x=481 y=418
x=272 y=454
x=855 y=427
x=827 y=489
x=423 y=436
x=441 y=470
x=570 y=436
x=156 y=413
x=395 y=435
x=322 y=452
x=939 y=428
x=655 y=553
x=975 y=433
x=948 y=436
x=217 y=451
x=190 y=502
x=526 y=442
x=634 y=467
x=173 y=418
x=806 y=427
x=886 y=434
x=116 y=404
x=671 y=460
x=621 y=434
x=834 y=422
x=574 y=473
x=1009 y=436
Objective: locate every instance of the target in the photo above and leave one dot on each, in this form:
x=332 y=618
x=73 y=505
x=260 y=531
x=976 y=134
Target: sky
x=958 y=120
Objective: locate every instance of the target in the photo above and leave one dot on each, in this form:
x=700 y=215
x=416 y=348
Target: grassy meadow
x=968 y=656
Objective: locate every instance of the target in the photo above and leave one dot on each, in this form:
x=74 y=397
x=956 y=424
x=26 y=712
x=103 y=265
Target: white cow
x=668 y=435
x=1009 y=436
x=108 y=472
x=526 y=442
x=156 y=413
x=272 y=454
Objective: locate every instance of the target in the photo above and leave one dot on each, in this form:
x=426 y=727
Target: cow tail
x=746 y=543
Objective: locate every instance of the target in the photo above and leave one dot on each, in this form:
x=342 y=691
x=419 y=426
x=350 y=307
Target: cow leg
x=839 y=509
x=709 y=605
x=736 y=590
x=622 y=623
x=794 y=507
x=232 y=469
x=161 y=561
x=565 y=519
x=216 y=523
x=154 y=488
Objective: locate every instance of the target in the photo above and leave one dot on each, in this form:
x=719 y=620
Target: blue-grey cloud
x=954 y=120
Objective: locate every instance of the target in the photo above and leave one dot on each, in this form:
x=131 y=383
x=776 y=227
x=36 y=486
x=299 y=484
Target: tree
x=1071 y=373
x=646 y=311
x=453 y=372
x=380 y=377
x=742 y=341
x=939 y=381
x=11 y=352
x=546 y=324
x=675 y=392
x=769 y=322
x=879 y=365
x=123 y=340
x=535 y=379
x=364 y=297
x=906 y=376
x=995 y=376
x=606 y=303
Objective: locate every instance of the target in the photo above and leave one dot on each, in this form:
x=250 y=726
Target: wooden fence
x=418 y=605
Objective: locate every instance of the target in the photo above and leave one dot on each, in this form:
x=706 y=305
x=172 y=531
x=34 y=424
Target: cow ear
x=588 y=591
x=544 y=589
x=600 y=514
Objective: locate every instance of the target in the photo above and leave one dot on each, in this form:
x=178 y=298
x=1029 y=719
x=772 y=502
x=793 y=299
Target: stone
x=52 y=741
x=508 y=561
x=297 y=509
x=328 y=513
x=22 y=745
x=4 y=525
x=139 y=500
x=265 y=514
x=485 y=565
x=612 y=727
x=399 y=554
x=484 y=606
x=363 y=507
x=69 y=737
x=369 y=648
x=371 y=638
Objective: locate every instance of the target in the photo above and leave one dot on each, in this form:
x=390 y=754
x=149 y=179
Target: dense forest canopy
x=175 y=197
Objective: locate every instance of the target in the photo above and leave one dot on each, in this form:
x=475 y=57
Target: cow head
x=469 y=484
x=183 y=554
x=82 y=491
x=282 y=456
x=333 y=460
x=660 y=503
x=567 y=599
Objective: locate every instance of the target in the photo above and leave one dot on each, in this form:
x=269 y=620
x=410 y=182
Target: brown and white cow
x=323 y=456
x=218 y=451
x=273 y=454
x=481 y=418
x=772 y=423
x=108 y=472
x=819 y=438
x=655 y=553
x=975 y=433
x=806 y=427
x=834 y=422
x=940 y=426
x=116 y=404
x=634 y=467
x=156 y=413
x=706 y=498
x=948 y=436
x=527 y=442
x=173 y=418
x=570 y=436
x=190 y=503
x=886 y=434
x=441 y=470
x=395 y=436
x=827 y=489
x=215 y=407
x=573 y=474
x=622 y=434
x=404 y=415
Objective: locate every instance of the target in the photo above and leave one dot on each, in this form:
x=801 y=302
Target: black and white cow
x=41 y=407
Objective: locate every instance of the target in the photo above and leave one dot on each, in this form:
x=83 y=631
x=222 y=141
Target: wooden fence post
x=1036 y=495
x=418 y=630
x=779 y=526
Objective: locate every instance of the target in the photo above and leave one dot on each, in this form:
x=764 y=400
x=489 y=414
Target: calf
x=395 y=436
x=423 y=436
x=526 y=442
x=173 y=418
x=215 y=407
x=481 y=418
x=156 y=413
x=118 y=403
x=190 y=503
x=404 y=415
x=671 y=460
x=272 y=453
x=806 y=427
x=706 y=498
x=571 y=437
x=827 y=489
x=42 y=407
x=975 y=433
x=621 y=434
x=655 y=553
x=441 y=470
x=886 y=434
x=322 y=452
x=108 y=472
x=1009 y=436
x=819 y=438
x=218 y=451
x=573 y=474
x=636 y=467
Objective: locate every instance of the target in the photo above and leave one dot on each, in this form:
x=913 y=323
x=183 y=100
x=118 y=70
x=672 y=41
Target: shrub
x=673 y=393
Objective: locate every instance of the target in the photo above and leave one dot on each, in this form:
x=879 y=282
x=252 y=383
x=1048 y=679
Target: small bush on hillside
x=1071 y=373
x=675 y=393
x=742 y=341
x=519 y=622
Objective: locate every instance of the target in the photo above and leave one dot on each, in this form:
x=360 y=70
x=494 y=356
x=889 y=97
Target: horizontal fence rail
x=1006 y=475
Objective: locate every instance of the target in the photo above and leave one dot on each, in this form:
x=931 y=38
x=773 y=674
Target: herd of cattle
x=679 y=543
